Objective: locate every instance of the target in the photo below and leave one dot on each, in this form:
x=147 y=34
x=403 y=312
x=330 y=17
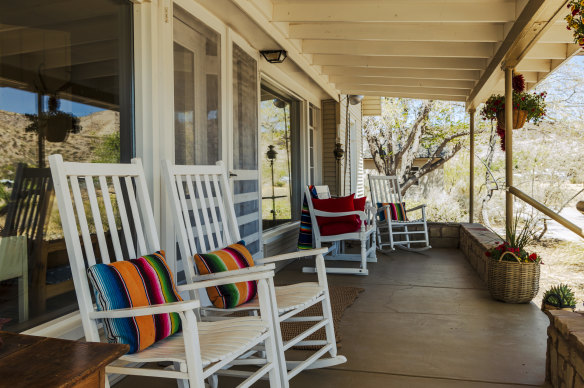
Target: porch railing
x=547 y=211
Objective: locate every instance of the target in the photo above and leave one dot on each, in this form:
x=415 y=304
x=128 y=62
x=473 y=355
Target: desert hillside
x=17 y=145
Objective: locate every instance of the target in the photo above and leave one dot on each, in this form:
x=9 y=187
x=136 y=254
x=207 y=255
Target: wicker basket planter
x=513 y=282
x=519 y=118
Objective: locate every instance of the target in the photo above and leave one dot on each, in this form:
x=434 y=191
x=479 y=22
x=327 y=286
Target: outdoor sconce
x=354 y=99
x=271 y=153
x=274 y=56
x=339 y=151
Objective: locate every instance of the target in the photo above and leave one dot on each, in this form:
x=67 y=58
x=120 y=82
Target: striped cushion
x=235 y=256
x=134 y=283
x=398 y=211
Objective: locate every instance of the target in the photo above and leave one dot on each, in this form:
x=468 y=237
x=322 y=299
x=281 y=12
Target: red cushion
x=334 y=228
x=359 y=203
x=334 y=205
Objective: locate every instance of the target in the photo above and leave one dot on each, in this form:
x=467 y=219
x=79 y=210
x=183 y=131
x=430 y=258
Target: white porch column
x=508 y=147
x=472 y=166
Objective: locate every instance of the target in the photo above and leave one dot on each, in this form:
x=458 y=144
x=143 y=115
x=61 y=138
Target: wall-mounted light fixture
x=339 y=152
x=274 y=56
x=354 y=99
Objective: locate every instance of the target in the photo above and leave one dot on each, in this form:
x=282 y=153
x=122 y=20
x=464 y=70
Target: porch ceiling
x=449 y=50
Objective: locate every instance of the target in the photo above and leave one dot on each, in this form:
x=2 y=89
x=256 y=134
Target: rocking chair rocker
x=337 y=251
x=385 y=190
x=205 y=220
x=201 y=349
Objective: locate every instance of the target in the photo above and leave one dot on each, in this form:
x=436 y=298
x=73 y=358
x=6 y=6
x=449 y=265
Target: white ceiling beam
x=404 y=32
x=445 y=74
x=557 y=34
x=537 y=65
x=404 y=95
x=405 y=89
x=406 y=49
x=394 y=11
x=400 y=62
x=339 y=81
x=548 y=51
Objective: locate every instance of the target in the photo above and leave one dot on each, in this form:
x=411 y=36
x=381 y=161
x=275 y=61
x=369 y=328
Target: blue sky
x=21 y=101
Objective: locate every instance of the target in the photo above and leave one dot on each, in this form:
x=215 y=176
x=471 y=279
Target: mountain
x=17 y=145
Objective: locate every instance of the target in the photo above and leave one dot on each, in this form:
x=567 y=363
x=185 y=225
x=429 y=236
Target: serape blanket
x=305 y=234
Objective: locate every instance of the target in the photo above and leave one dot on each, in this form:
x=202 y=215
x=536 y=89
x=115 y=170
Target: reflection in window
x=197 y=74
x=65 y=87
x=278 y=163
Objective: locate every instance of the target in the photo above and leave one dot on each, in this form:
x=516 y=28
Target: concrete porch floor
x=424 y=320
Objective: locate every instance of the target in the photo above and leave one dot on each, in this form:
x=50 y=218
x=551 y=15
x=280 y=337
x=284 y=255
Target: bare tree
x=408 y=127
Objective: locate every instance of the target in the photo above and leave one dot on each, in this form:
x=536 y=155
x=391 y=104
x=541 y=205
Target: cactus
x=560 y=296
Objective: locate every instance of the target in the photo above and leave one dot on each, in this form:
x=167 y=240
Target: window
x=65 y=87
x=197 y=85
x=279 y=140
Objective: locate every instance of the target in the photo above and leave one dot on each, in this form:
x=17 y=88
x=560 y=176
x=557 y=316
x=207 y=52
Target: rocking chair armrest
x=163 y=308
x=416 y=208
x=235 y=272
x=293 y=255
x=246 y=277
x=320 y=213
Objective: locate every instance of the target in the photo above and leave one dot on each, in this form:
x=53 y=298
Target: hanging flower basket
x=513 y=282
x=519 y=118
x=57 y=127
x=54 y=125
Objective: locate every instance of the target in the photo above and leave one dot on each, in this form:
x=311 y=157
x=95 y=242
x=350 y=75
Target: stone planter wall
x=442 y=234
x=565 y=349
x=475 y=240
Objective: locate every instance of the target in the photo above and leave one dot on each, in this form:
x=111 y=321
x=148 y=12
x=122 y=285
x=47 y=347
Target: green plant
x=575 y=22
x=108 y=149
x=560 y=296
x=520 y=234
x=533 y=103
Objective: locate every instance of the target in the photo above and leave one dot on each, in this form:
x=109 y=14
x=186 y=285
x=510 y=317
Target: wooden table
x=29 y=361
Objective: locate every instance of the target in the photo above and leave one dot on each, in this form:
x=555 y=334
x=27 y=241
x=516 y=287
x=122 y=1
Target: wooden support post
x=471 y=167
x=508 y=147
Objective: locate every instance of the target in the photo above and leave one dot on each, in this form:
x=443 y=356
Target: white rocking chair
x=401 y=234
x=337 y=251
x=205 y=220
x=202 y=348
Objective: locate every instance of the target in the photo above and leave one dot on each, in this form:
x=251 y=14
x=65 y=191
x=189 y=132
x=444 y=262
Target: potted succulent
x=559 y=297
x=55 y=125
x=513 y=273
x=529 y=107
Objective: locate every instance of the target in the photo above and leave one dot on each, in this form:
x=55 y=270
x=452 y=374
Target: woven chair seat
x=219 y=340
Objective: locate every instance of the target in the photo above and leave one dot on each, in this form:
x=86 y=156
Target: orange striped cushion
x=235 y=256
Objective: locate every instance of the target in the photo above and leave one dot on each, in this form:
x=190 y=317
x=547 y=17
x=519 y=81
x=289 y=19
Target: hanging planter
x=54 y=125
x=527 y=107
x=519 y=118
x=575 y=21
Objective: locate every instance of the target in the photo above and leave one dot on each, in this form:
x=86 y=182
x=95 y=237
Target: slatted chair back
x=384 y=189
x=29 y=204
x=102 y=200
x=202 y=208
